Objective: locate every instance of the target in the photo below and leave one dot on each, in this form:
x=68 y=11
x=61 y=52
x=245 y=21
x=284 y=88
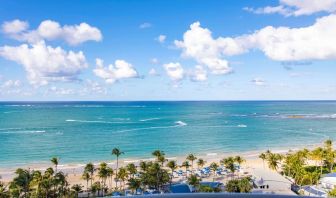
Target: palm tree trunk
x=116 y=182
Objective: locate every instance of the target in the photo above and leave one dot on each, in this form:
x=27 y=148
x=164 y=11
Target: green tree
x=122 y=175
x=239 y=185
x=117 y=152
x=89 y=168
x=158 y=154
x=318 y=155
x=134 y=184
x=131 y=169
x=201 y=162
x=239 y=160
x=273 y=161
x=54 y=161
x=77 y=188
x=263 y=157
x=332 y=193
x=214 y=166
x=229 y=164
x=186 y=165
x=103 y=175
x=3 y=190
x=86 y=176
x=191 y=157
x=194 y=181
x=173 y=166
x=22 y=182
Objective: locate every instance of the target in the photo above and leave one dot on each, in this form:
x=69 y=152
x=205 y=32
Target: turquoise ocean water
x=79 y=132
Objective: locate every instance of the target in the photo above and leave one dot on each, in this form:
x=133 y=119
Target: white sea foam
x=149 y=119
x=180 y=123
x=97 y=121
x=24 y=132
x=242 y=125
x=16 y=105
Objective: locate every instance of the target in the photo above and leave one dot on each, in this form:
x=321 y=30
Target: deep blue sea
x=79 y=132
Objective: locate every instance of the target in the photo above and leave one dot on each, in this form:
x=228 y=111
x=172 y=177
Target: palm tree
x=273 y=161
x=191 y=158
x=229 y=164
x=201 y=163
x=239 y=160
x=132 y=170
x=318 y=154
x=122 y=175
x=89 y=168
x=134 y=184
x=173 y=166
x=110 y=174
x=103 y=174
x=86 y=176
x=214 y=166
x=263 y=157
x=3 y=190
x=162 y=159
x=329 y=154
x=186 y=165
x=54 y=161
x=117 y=152
x=23 y=181
x=158 y=154
x=77 y=188
x=194 y=181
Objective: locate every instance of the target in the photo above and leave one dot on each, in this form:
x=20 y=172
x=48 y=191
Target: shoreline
x=77 y=168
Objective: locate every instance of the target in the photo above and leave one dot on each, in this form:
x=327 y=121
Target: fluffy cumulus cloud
x=199 y=44
x=175 y=71
x=120 y=70
x=161 y=38
x=14 y=27
x=297 y=7
x=258 y=81
x=315 y=42
x=51 y=30
x=199 y=74
x=44 y=63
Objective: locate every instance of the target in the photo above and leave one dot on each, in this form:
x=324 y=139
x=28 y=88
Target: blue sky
x=167 y=50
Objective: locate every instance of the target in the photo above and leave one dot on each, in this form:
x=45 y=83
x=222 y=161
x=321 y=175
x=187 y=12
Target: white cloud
x=315 y=42
x=153 y=72
x=297 y=7
x=120 y=70
x=15 y=26
x=11 y=87
x=11 y=84
x=44 y=63
x=145 y=25
x=269 y=10
x=198 y=44
x=161 y=38
x=258 y=81
x=199 y=74
x=60 y=91
x=95 y=87
x=52 y=30
x=154 y=61
x=174 y=70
